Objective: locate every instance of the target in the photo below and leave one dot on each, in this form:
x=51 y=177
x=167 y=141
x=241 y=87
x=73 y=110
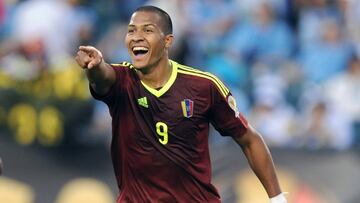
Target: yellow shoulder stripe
x=123 y=64
x=191 y=71
x=186 y=68
x=224 y=93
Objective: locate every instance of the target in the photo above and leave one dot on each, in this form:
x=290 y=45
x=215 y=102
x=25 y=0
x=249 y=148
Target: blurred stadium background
x=293 y=66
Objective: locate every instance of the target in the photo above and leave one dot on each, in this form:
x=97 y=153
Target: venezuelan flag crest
x=187 y=107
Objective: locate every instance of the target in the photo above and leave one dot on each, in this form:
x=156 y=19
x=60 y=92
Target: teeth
x=140 y=49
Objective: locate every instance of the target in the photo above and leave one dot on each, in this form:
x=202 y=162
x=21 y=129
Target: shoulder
x=125 y=73
x=125 y=69
x=202 y=78
x=123 y=65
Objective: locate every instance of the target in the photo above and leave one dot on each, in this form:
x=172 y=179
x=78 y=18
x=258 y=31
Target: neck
x=157 y=75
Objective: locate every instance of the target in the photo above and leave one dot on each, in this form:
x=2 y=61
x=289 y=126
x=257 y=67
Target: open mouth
x=139 y=51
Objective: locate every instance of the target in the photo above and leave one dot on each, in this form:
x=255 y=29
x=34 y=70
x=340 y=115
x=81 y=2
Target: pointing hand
x=88 y=57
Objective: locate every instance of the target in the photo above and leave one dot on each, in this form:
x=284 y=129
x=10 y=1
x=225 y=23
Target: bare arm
x=100 y=74
x=260 y=160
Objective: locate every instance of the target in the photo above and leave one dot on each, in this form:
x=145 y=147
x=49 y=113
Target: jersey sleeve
x=224 y=115
x=120 y=82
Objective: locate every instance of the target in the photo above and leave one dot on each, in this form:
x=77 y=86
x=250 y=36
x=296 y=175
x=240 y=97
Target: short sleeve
x=224 y=115
x=115 y=90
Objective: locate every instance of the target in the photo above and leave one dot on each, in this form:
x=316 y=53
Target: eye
x=131 y=31
x=147 y=30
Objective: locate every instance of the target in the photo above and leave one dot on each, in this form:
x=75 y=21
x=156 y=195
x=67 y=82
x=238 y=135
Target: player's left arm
x=260 y=161
x=226 y=119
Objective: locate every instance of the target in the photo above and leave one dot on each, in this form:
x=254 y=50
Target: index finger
x=87 y=49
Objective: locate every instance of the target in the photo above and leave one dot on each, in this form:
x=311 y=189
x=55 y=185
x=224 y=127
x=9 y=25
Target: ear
x=169 y=40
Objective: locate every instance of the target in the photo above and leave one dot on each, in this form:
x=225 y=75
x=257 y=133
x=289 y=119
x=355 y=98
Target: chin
x=143 y=64
x=140 y=64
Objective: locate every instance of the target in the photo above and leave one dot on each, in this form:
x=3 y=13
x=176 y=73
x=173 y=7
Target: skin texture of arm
x=260 y=160
x=100 y=75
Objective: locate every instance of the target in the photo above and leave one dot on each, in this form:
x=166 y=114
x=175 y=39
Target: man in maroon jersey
x=161 y=112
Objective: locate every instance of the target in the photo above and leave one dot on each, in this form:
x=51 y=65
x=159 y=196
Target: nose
x=137 y=36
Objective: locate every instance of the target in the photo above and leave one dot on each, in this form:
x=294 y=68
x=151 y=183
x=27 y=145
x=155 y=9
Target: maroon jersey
x=160 y=137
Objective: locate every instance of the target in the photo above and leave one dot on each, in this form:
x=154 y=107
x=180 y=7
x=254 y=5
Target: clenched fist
x=88 y=57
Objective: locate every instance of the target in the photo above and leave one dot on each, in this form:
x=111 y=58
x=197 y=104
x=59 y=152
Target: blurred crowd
x=292 y=65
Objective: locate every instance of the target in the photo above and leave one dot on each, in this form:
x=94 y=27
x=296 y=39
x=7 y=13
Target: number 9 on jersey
x=162 y=131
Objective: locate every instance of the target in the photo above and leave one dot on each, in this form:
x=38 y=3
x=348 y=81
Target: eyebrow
x=145 y=25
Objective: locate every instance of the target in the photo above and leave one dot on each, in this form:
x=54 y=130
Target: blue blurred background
x=292 y=65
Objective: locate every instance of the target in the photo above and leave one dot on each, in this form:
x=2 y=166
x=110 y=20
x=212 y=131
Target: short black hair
x=166 y=22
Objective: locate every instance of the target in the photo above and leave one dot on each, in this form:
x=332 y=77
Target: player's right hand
x=88 y=57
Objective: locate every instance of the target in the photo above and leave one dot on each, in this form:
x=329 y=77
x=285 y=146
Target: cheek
x=159 y=46
x=127 y=42
x=158 y=52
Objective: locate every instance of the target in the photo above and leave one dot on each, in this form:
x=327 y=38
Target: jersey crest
x=187 y=107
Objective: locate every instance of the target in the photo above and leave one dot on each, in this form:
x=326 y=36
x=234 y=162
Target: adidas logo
x=143 y=102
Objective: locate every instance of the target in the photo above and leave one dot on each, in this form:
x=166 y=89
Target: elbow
x=250 y=138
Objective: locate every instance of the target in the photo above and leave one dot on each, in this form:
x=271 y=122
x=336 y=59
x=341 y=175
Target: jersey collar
x=168 y=84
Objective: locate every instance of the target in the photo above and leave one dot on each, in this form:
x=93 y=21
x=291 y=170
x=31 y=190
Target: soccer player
x=161 y=112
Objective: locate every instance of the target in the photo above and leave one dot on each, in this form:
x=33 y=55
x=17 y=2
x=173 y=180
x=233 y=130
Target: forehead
x=145 y=18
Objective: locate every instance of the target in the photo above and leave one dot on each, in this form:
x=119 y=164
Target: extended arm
x=260 y=160
x=100 y=74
